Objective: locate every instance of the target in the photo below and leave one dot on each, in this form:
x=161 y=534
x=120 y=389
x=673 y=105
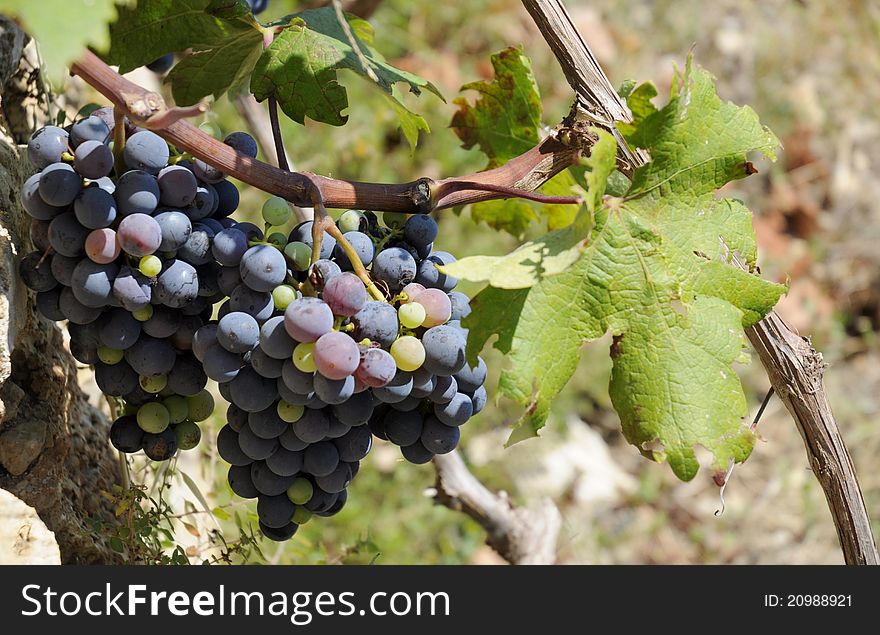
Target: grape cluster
x=317 y=348
x=123 y=253
x=314 y=367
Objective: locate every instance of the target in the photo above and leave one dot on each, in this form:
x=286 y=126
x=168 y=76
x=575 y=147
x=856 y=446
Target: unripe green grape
x=301 y=515
x=153 y=384
x=201 y=405
x=350 y=221
x=150 y=266
x=300 y=491
x=291 y=413
x=110 y=356
x=177 y=408
x=411 y=315
x=408 y=353
x=276 y=211
x=299 y=255
x=283 y=295
x=304 y=357
x=394 y=220
x=144 y=314
x=188 y=435
x=153 y=417
x=277 y=239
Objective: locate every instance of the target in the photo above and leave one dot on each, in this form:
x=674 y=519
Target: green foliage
x=653 y=268
x=63 y=27
x=504 y=122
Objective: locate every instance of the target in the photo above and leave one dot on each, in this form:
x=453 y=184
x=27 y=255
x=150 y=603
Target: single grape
x=151 y=356
x=203 y=204
x=243 y=143
x=420 y=230
x=139 y=235
x=444 y=349
x=301 y=515
x=377 y=367
x=90 y=128
x=267 y=424
x=304 y=357
x=289 y=412
x=431 y=277
x=188 y=435
x=470 y=379
x=283 y=295
x=321 y=272
x=162 y=446
x=320 y=459
x=154 y=384
x=101 y=246
x=201 y=405
x=411 y=315
x=95 y=208
x=345 y=294
x=238 y=332
x=240 y=482
x=478 y=399
x=396 y=390
x=357 y=410
x=351 y=220
x=227 y=197
x=334 y=391
x=394 y=266
x=362 y=245
x=300 y=491
x=228 y=278
x=35 y=271
x=178 y=284
x=46 y=146
x=445 y=388
x=197 y=248
x=276 y=211
x=460 y=303
x=93 y=160
x=175 y=228
x=33 y=203
x=263 y=268
x=312 y=426
x=259 y=304
x=412 y=291
x=114 y=379
x=119 y=330
x=439 y=438
x=229 y=246
x=251 y=392
x=274 y=340
x=126 y=435
x=265 y=366
x=146 y=151
x=59 y=184
x=416 y=453
x=403 y=428
x=137 y=192
x=153 y=417
x=299 y=255
x=67 y=236
x=376 y=321
x=187 y=378
x=143 y=314
x=132 y=290
x=177 y=408
x=456 y=412
x=92 y=283
x=307 y=319
x=75 y=311
x=336 y=355
x=221 y=365
x=438 y=307
x=355 y=444
x=110 y=355
x=230 y=450
x=408 y=352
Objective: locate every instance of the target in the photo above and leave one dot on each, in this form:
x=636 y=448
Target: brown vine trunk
x=54 y=453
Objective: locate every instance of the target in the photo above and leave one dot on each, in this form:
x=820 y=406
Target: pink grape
x=438 y=307
x=345 y=294
x=101 y=246
x=413 y=290
x=336 y=355
x=139 y=235
x=307 y=319
x=376 y=369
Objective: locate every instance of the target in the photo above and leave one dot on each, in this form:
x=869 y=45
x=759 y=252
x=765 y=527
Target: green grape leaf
x=410 y=122
x=504 y=122
x=216 y=70
x=63 y=28
x=153 y=28
x=655 y=272
x=301 y=65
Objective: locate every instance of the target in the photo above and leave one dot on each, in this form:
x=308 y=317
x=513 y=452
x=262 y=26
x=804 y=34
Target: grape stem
x=516 y=178
x=324 y=223
x=118 y=140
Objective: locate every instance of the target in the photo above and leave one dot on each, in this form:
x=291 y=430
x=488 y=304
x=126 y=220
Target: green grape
x=153 y=384
x=283 y=295
x=276 y=211
x=144 y=314
x=201 y=405
x=300 y=491
x=408 y=353
x=188 y=435
x=153 y=417
x=150 y=266
x=177 y=408
x=394 y=220
x=304 y=357
x=299 y=255
x=289 y=412
x=301 y=515
x=110 y=355
x=350 y=221
x=277 y=239
x=411 y=315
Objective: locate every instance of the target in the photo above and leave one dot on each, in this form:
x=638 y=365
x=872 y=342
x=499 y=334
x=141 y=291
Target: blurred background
x=812 y=72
